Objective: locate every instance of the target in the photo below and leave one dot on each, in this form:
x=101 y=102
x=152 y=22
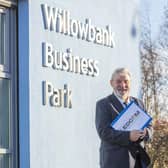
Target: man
x=119 y=149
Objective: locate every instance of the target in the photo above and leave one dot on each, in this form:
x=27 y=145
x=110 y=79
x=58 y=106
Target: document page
x=131 y=118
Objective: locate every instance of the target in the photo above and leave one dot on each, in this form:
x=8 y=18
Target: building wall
x=64 y=137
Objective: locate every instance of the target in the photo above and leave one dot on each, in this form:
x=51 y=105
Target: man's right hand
x=136 y=134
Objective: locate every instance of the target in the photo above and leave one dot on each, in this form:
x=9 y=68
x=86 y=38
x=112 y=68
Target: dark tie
x=125 y=104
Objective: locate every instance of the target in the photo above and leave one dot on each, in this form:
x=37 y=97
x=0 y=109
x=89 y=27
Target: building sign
x=65 y=61
x=60 y=21
x=57 y=97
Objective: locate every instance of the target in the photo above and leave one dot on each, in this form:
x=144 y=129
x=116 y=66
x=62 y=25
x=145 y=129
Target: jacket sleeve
x=104 y=129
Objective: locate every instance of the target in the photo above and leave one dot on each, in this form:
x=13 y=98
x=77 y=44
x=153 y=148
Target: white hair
x=120 y=70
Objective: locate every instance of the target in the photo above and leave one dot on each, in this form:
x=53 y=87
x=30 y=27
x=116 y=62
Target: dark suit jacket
x=114 y=143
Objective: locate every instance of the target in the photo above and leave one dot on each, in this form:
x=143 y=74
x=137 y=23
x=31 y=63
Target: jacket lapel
x=116 y=103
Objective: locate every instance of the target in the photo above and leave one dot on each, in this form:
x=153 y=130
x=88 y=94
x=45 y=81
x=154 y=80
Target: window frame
x=6 y=66
x=9 y=71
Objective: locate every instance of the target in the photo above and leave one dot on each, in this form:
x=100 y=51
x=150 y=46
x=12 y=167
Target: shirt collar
x=122 y=101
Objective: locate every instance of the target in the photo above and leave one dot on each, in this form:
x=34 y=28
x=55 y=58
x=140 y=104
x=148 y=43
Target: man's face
x=121 y=85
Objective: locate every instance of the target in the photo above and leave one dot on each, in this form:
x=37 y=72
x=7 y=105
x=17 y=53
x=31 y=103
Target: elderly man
x=120 y=149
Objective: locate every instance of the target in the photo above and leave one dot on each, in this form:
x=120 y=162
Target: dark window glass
x=4 y=121
x=2 y=38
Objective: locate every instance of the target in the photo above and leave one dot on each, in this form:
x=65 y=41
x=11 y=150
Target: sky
x=155 y=9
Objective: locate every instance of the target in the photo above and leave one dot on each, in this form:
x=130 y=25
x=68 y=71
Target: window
x=4 y=122
x=2 y=36
x=4 y=58
x=8 y=91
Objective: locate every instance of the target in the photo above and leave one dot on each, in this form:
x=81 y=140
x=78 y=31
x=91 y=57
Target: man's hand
x=145 y=133
x=136 y=134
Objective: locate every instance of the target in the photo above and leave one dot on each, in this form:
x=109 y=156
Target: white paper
x=131 y=118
